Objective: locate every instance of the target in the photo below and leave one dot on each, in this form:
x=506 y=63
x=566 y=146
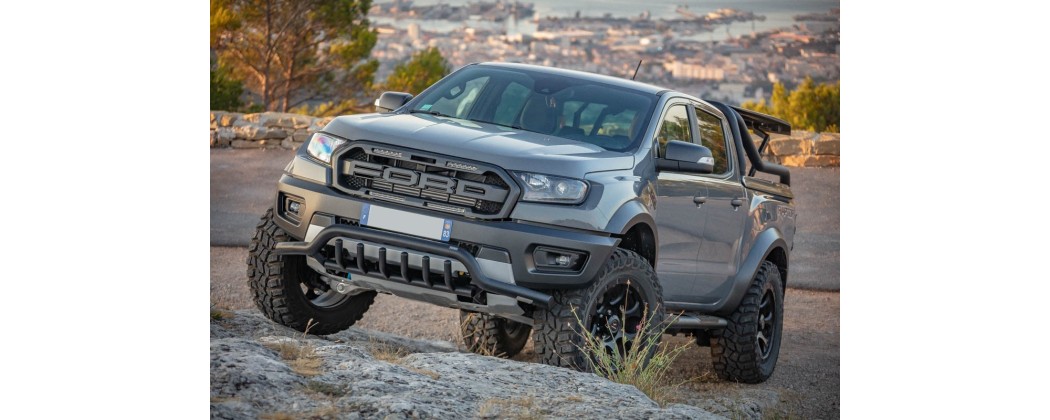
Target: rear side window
x=713 y=137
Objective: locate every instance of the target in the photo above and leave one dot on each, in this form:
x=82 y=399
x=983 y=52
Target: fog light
x=291 y=207
x=558 y=259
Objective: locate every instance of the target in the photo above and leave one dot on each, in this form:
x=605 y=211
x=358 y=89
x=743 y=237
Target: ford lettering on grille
x=410 y=178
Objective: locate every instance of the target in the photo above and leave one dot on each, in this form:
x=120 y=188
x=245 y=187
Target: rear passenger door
x=725 y=209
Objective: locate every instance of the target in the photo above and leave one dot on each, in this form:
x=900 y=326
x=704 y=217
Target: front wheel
x=612 y=309
x=492 y=335
x=747 y=349
x=292 y=294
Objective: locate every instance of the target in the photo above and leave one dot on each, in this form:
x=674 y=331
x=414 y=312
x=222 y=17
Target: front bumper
x=341 y=235
x=328 y=218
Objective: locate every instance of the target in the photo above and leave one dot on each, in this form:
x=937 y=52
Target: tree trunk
x=269 y=56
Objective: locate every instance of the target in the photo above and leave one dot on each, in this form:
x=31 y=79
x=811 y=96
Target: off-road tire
x=275 y=284
x=735 y=352
x=492 y=335
x=557 y=338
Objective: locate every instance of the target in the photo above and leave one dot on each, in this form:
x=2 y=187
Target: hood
x=508 y=148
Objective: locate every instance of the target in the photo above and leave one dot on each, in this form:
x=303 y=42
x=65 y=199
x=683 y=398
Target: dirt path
x=805 y=384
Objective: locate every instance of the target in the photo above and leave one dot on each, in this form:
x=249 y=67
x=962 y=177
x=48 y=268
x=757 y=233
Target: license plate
x=405 y=222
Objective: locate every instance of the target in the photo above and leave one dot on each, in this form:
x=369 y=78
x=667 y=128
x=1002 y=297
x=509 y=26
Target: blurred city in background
x=333 y=57
x=707 y=49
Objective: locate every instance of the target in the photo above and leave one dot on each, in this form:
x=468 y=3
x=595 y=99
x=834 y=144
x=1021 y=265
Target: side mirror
x=681 y=156
x=390 y=101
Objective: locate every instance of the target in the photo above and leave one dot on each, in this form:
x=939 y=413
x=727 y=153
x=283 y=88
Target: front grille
x=424 y=180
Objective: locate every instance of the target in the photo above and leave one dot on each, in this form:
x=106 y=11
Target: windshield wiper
x=496 y=123
x=427 y=111
x=439 y=114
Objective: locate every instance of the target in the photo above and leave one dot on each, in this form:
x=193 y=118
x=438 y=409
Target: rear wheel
x=290 y=293
x=492 y=335
x=747 y=349
x=611 y=309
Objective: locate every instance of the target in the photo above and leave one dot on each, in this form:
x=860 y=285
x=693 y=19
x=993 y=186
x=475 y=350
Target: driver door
x=678 y=217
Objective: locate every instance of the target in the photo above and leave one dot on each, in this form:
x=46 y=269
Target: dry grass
x=390 y=353
x=326 y=412
x=220 y=400
x=300 y=354
x=523 y=408
x=277 y=416
x=433 y=375
x=633 y=367
x=218 y=314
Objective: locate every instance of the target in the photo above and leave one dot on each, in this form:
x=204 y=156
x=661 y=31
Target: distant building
x=413 y=32
x=687 y=71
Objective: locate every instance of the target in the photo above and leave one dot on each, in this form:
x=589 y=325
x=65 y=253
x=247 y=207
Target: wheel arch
x=778 y=256
x=637 y=231
x=769 y=245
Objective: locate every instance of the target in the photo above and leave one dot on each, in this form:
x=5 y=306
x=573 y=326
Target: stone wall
x=803 y=148
x=268 y=130
x=273 y=130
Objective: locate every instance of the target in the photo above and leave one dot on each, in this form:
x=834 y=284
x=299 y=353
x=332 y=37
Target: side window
x=675 y=126
x=510 y=103
x=713 y=137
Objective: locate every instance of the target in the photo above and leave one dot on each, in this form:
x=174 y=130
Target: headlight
x=322 y=145
x=552 y=189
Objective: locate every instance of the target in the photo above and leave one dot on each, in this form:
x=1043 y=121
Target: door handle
x=698 y=200
x=737 y=202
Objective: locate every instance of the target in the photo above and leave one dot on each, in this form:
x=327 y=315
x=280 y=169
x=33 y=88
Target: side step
x=698 y=322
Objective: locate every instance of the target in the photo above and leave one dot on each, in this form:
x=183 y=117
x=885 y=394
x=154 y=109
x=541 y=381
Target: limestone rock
x=255 y=132
x=790 y=146
x=826 y=146
x=810 y=160
x=250 y=379
x=225 y=133
x=224 y=118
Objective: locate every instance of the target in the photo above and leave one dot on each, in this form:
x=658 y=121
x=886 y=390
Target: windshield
x=577 y=109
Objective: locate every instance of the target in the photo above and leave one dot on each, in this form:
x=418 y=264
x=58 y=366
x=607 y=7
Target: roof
x=610 y=80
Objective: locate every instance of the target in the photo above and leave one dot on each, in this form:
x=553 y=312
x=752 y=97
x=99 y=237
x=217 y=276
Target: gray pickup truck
x=534 y=198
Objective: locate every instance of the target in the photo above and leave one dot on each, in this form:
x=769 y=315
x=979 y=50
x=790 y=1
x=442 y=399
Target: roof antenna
x=636 y=69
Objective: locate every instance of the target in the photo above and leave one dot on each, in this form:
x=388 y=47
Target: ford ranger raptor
x=542 y=202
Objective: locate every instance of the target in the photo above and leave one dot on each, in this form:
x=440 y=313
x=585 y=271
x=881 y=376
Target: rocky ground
x=260 y=370
x=805 y=384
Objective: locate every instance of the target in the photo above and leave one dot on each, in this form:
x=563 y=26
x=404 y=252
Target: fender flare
x=765 y=243
x=628 y=216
